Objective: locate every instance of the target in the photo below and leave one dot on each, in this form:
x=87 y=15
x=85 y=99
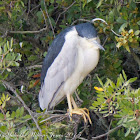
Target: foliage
x=24 y=43
x=7 y=56
x=129 y=38
x=11 y=122
x=120 y=101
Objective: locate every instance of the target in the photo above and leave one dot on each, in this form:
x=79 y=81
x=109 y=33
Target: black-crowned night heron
x=73 y=54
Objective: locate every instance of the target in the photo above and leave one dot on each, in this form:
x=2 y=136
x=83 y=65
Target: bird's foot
x=81 y=111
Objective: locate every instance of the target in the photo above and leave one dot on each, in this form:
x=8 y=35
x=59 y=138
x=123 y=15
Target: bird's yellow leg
x=80 y=111
x=69 y=105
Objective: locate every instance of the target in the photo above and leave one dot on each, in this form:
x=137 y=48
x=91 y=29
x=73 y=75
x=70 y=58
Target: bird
x=73 y=54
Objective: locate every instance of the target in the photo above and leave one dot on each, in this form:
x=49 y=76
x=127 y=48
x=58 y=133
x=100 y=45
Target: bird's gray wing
x=60 y=70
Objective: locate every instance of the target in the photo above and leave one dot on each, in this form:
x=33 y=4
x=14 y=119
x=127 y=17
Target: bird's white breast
x=88 y=57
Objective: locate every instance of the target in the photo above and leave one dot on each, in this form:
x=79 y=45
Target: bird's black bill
x=98 y=45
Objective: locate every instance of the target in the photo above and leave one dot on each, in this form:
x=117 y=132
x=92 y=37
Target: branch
x=34 y=66
x=27 y=32
x=49 y=19
x=11 y=88
x=65 y=11
x=54 y=116
x=79 y=135
x=110 y=131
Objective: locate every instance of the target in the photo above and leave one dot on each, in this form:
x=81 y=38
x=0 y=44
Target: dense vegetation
x=111 y=92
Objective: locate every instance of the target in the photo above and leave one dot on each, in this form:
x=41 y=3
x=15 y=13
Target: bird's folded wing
x=57 y=74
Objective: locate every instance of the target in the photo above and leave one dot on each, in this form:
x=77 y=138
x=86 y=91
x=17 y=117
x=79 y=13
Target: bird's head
x=87 y=31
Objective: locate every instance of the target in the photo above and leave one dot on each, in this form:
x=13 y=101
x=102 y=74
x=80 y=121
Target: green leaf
x=1 y=116
x=123 y=26
x=137 y=32
x=5 y=48
x=119 y=83
x=127 y=48
x=124 y=75
x=89 y=1
x=111 y=16
x=120 y=20
x=138 y=22
x=21 y=111
x=138 y=136
x=4 y=104
x=3 y=128
x=15 y=64
x=7 y=114
x=128 y=131
x=116 y=65
x=17 y=113
x=100 y=81
x=40 y=16
x=99 y=3
x=1 y=51
x=110 y=89
x=131 y=80
x=11 y=43
x=18 y=57
x=13 y=114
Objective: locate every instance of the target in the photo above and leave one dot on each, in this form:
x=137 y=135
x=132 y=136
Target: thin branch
x=11 y=88
x=29 y=7
x=54 y=116
x=49 y=18
x=65 y=11
x=44 y=17
x=136 y=1
x=78 y=97
x=34 y=66
x=109 y=132
x=27 y=32
x=84 y=20
x=79 y=135
x=105 y=41
x=102 y=119
x=35 y=8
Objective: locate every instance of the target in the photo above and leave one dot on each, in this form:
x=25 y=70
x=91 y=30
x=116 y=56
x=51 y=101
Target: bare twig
x=84 y=20
x=49 y=18
x=65 y=11
x=34 y=66
x=79 y=135
x=104 y=122
x=44 y=17
x=54 y=116
x=100 y=19
x=29 y=7
x=136 y=1
x=78 y=97
x=110 y=131
x=35 y=8
x=105 y=41
x=27 y=32
x=11 y=88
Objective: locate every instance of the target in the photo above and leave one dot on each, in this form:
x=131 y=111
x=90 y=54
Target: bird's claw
x=80 y=111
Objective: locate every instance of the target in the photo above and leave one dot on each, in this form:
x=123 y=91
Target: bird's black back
x=84 y=30
x=53 y=51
